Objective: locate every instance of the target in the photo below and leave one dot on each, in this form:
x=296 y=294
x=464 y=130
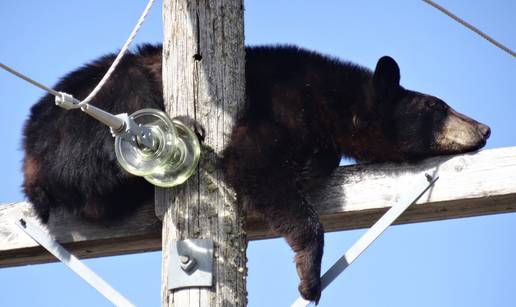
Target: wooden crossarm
x=355 y=197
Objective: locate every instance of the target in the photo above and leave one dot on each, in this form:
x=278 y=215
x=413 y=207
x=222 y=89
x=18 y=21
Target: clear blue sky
x=464 y=262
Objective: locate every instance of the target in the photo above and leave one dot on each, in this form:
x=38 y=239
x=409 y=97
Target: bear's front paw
x=310 y=289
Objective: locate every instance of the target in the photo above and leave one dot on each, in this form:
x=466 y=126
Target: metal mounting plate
x=191 y=264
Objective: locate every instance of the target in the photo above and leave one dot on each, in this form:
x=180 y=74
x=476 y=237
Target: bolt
x=428 y=177
x=184 y=259
x=187 y=264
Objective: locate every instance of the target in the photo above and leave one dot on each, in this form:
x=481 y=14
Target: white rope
x=67 y=101
x=120 y=54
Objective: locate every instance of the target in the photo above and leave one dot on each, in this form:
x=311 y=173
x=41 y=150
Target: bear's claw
x=310 y=289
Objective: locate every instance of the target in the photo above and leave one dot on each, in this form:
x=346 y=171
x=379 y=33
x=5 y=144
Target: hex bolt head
x=187 y=263
x=184 y=259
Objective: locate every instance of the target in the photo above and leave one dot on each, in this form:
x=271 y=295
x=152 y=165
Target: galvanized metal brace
x=422 y=183
x=49 y=243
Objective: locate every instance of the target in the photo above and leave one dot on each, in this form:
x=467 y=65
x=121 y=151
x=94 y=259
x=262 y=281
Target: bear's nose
x=484 y=130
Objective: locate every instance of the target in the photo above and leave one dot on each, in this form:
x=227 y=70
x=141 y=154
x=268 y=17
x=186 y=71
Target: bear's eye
x=433 y=104
x=436 y=105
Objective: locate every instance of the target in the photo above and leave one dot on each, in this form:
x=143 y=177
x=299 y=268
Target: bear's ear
x=386 y=77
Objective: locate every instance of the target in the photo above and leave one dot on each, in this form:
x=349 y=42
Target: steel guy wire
x=471 y=27
x=69 y=102
x=33 y=82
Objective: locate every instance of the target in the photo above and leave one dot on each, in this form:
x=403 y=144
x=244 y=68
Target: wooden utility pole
x=203 y=78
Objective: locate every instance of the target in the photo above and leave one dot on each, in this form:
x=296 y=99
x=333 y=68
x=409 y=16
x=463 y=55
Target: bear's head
x=409 y=125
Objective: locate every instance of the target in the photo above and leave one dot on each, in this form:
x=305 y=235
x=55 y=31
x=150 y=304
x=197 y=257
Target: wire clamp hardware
x=191 y=264
x=67 y=101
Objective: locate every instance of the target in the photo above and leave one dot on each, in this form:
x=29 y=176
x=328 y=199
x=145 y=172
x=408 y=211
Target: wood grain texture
x=140 y=233
x=203 y=78
x=354 y=197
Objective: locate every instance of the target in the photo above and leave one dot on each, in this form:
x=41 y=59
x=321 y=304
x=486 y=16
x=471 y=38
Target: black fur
x=303 y=112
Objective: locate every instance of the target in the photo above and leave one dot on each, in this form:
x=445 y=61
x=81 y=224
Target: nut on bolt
x=187 y=263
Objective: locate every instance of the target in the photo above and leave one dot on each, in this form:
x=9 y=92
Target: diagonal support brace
x=422 y=183
x=72 y=262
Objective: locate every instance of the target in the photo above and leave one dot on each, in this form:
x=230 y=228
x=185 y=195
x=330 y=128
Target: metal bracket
x=421 y=184
x=191 y=264
x=120 y=124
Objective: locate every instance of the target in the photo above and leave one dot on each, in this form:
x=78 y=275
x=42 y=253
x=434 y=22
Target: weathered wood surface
x=139 y=233
x=203 y=77
x=355 y=197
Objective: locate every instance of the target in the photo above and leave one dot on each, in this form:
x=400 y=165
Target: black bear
x=303 y=112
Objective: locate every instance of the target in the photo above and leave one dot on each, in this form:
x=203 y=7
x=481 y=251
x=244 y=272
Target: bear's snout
x=461 y=133
x=485 y=131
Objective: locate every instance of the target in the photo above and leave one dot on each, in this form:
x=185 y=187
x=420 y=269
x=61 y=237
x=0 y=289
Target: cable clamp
x=67 y=101
x=190 y=264
x=128 y=127
x=133 y=132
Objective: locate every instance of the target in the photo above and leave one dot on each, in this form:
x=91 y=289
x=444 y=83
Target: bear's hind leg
x=290 y=215
x=38 y=196
x=40 y=201
x=258 y=164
